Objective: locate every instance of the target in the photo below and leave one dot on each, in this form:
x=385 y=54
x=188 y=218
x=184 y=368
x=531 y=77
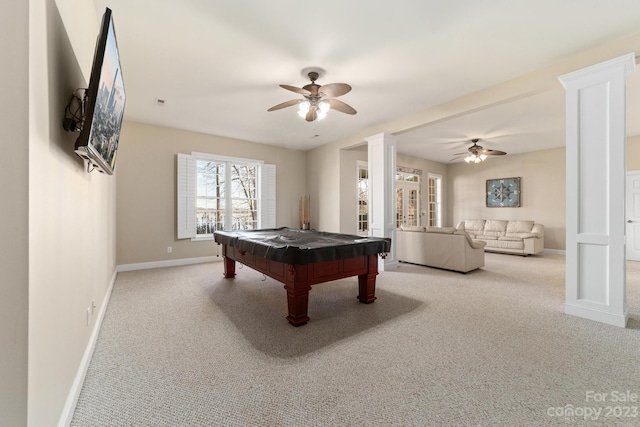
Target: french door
x=407 y=203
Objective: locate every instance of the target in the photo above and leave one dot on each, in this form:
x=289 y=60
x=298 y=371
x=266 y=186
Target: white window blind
x=186 y=214
x=268 y=196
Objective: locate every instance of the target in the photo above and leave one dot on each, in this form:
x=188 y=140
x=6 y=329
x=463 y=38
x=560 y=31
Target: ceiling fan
x=476 y=153
x=317 y=99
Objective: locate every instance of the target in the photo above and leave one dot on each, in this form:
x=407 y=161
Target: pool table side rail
x=311 y=273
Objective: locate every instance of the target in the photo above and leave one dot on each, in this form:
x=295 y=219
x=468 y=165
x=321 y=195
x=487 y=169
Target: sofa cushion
x=495 y=226
x=510 y=238
x=521 y=235
x=485 y=237
x=441 y=230
x=412 y=228
x=474 y=225
x=505 y=244
x=519 y=226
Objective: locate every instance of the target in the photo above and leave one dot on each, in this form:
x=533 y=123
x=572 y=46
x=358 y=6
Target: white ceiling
x=218 y=64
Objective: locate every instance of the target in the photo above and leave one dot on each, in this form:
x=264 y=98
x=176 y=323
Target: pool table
x=302 y=258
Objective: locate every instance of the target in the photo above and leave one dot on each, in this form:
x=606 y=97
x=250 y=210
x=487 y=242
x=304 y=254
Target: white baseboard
x=555 y=251
x=167 y=263
x=608 y=317
x=78 y=381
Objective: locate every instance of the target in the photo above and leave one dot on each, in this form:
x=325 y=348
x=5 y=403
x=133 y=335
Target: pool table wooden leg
x=367 y=282
x=367 y=288
x=297 y=285
x=298 y=303
x=229 y=267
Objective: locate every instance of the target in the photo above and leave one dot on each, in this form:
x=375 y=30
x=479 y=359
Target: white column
x=596 y=164
x=382 y=192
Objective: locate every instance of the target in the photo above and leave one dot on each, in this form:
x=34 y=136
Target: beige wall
x=71 y=234
x=543 y=191
x=14 y=120
x=147 y=188
x=633 y=153
x=348 y=188
x=323 y=185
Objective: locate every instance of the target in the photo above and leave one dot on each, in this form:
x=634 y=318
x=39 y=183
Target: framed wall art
x=504 y=193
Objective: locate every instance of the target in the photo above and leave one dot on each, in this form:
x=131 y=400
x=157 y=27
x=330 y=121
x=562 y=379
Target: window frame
x=187 y=192
x=361 y=165
x=437 y=199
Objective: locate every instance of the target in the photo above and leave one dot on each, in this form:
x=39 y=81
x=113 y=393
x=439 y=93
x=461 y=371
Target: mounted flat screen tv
x=103 y=104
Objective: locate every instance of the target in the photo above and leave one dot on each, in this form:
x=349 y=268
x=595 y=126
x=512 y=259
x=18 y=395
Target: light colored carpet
x=183 y=346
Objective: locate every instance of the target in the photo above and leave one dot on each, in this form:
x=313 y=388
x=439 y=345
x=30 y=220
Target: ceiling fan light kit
x=318 y=100
x=319 y=109
x=475 y=158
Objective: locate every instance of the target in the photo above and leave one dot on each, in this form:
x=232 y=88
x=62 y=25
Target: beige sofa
x=445 y=248
x=514 y=237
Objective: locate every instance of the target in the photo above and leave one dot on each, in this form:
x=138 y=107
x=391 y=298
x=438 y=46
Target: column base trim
x=614 y=319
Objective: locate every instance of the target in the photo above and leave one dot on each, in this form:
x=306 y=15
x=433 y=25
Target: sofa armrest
x=538 y=230
x=474 y=244
x=533 y=245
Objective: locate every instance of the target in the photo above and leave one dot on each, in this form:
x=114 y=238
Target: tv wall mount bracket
x=74 y=112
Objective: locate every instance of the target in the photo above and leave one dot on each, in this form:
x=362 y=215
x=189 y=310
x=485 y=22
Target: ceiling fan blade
x=492 y=152
x=332 y=90
x=311 y=115
x=284 y=105
x=341 y=106
x=296 y=89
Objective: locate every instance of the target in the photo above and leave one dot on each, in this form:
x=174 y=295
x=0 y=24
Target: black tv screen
x=104 y=103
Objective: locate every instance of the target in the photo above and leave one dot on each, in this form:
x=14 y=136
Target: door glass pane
x=433 y=197
x=363 y=201
x=399 y=207
x=412 y=208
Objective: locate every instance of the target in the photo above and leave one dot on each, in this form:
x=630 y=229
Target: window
x=434 y=197
x=363 y=198
x=211 y=196
x=223 y=193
